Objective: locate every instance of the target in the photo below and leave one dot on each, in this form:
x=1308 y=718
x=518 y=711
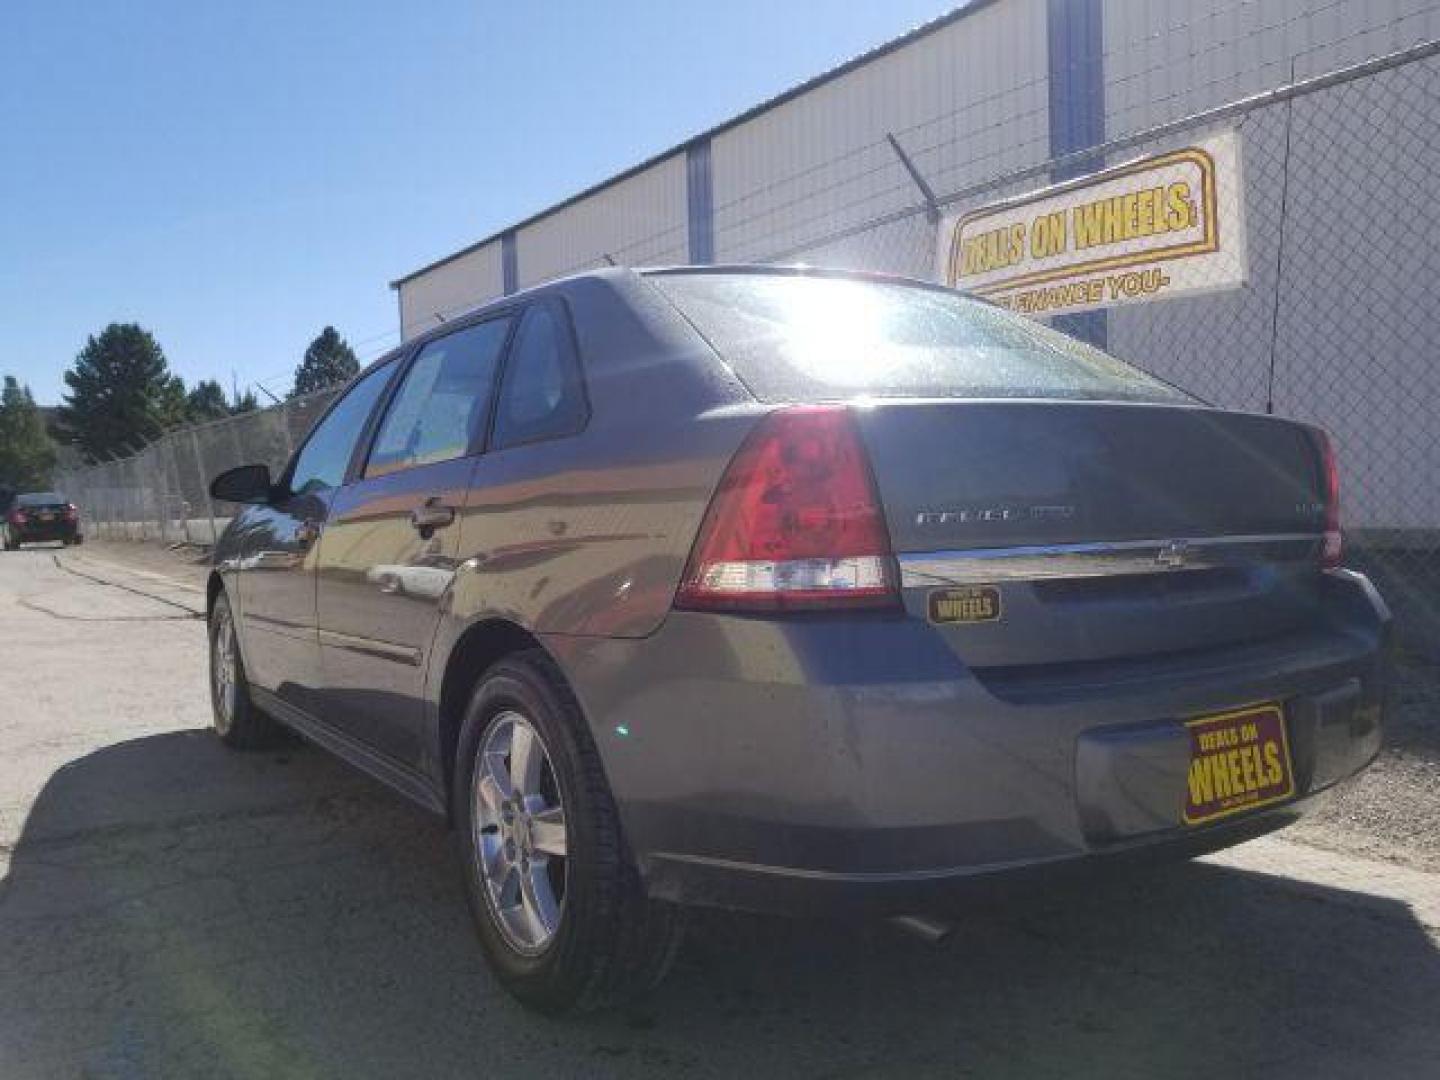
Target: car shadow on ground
x=175 y=909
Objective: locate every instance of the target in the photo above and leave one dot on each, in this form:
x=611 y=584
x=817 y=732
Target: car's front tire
x=560 y=910
x=235 y=719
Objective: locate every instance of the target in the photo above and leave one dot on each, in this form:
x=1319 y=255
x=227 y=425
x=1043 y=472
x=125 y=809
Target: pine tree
x=206 y=401
x=328 y=362
x=27 y=456
x=122 y=393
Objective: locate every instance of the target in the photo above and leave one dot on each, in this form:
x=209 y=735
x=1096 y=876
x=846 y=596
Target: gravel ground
x=1392 y=811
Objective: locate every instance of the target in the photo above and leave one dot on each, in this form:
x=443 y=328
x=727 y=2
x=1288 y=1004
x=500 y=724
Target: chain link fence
x=1335 y=323
x=162 y=493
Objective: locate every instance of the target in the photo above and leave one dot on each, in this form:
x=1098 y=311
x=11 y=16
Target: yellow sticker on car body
x=971 y=604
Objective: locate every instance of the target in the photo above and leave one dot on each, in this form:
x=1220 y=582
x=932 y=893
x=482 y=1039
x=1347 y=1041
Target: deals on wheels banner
x=1163 y=226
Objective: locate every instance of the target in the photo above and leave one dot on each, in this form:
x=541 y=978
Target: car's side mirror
x=247 y=484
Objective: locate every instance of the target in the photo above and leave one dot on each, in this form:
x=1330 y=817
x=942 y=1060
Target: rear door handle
x=432 y=515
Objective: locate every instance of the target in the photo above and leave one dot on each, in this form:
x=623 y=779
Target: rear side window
x=543 y=396
x=796 y=337
x=323 y=460
x=441 y=407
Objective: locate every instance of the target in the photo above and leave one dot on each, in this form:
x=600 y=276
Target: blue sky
x=235 y=176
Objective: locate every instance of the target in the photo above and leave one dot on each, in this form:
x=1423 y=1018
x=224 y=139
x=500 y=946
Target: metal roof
x=923 y=30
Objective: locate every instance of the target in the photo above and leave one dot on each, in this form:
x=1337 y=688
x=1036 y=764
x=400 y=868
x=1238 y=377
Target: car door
x=275 y=551
x=390 y=547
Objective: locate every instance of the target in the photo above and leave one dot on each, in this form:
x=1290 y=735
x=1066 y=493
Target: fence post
x=932 y=206
x=113 y=493
x=172 y=467
x=142 y=491
x=283 y=412
x=122 y=499
x=205 y=487
x=162 y=488
x=92 y=497
x=131 y=488
x=149 y=494
x=135 y=504
x=182 y=526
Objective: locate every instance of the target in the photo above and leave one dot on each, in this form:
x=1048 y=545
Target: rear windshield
x=40 y=498
x=805 y=338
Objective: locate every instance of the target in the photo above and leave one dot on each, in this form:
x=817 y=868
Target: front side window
x=542 y=396
x=326 y=455
x=441 y=407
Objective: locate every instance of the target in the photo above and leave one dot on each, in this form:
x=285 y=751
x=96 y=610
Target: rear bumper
x=798 y=891
x=45 y=533
x=785 y=765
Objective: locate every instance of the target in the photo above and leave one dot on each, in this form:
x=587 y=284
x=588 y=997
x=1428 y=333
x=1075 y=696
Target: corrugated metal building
x=987 y=88
x=1336 y=322
x=765 y=180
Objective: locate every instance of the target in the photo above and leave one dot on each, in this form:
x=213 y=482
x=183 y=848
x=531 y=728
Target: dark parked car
x=35 y=517
x=795 y=592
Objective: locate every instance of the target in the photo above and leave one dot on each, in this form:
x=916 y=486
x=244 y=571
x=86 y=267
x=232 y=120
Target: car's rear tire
x=236 y=720
x=558 y=905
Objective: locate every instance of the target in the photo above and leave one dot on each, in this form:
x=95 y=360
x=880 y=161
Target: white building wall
x=639 y=221
x=450 y=289
x=966 y=101
x=1166 y=59
x=1357 y=319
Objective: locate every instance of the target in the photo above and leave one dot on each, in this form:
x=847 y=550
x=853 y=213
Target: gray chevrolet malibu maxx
x=790 y=591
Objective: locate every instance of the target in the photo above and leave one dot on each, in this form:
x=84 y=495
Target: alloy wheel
x=520 y=833
x=222 y=670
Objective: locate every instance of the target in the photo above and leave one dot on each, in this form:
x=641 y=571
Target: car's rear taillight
x=795 y=523
x=71 y=512
x=1332 y=546
x=17 y=517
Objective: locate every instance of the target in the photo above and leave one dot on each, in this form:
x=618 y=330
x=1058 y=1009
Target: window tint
x=322 y=462
x=807 y=338
x=542 y=396
x=40 y=498
x=442 y=405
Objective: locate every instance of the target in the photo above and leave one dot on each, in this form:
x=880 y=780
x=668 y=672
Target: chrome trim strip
x=975 y=566
x=380 y=650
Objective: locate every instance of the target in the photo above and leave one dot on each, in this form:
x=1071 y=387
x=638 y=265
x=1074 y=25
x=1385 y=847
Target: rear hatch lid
x=1089 y=530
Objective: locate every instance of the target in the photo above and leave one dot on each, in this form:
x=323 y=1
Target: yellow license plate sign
x=973 y=604
x=1239 y=761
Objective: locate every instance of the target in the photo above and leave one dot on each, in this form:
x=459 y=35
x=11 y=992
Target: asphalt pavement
x=171 y=908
